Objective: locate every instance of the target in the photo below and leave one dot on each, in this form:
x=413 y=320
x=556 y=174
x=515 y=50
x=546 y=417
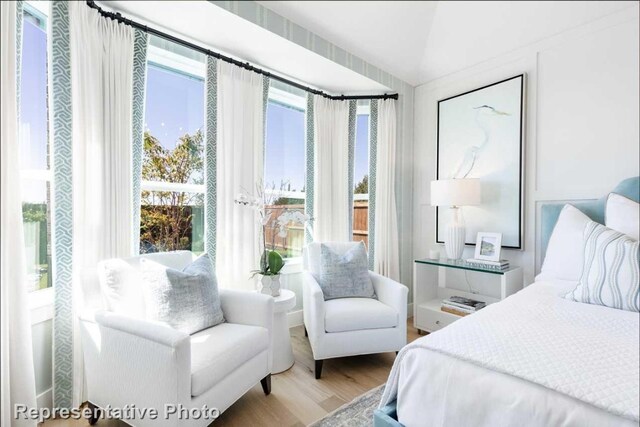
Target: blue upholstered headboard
x=594 y=209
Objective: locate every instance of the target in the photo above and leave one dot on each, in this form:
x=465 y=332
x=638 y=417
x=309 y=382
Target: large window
x=34 y=149
x=361 y=176
x=285 y=166
x=172 y=203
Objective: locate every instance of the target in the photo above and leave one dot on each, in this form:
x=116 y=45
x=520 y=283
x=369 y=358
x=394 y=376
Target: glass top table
x=464 y=265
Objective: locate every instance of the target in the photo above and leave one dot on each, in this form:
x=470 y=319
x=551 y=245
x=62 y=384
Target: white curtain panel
x=331 y=195
x=101 y=78
x=386 y=260
x=18 y=383
x=240 y=167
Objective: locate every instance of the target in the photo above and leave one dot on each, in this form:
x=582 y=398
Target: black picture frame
x=522 y=78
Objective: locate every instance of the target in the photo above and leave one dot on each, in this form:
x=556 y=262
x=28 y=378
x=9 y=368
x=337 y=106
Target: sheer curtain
x=240 y=158
x=386 y=258
x=18 y=383
x=331 y=194
x=102 y=95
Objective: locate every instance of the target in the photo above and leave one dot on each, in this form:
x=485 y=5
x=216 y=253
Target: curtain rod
x=149 y=30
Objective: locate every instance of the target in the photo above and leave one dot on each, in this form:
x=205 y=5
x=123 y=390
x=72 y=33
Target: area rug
x=357 y=413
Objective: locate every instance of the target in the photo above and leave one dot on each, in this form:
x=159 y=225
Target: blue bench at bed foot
x=387 y=416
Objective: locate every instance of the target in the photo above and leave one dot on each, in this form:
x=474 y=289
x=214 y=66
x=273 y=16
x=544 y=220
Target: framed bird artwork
x=480 y=135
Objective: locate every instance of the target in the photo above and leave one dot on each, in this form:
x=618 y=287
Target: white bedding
x=535 y=359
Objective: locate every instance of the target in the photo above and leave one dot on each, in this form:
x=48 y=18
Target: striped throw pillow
x=611 y=270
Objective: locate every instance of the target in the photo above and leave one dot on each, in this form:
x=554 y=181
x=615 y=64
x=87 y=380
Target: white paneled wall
x=581 y=129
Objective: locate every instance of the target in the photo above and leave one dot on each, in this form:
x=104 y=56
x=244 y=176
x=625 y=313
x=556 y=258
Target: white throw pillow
x=187 y=299
x=623 y=215
x=565 y=250
x=121 y=288
x=611 y=272
x=345 y=275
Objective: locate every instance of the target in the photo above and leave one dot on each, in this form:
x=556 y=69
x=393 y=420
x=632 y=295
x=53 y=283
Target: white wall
x=581 y=128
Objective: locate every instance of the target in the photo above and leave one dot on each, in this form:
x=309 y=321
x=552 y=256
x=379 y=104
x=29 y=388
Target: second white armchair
x=351 y=326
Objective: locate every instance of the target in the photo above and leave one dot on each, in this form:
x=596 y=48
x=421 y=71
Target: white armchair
x=132 y=361
x=351 y=326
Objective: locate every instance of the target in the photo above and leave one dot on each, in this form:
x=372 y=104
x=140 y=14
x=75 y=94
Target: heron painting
x=480 y=135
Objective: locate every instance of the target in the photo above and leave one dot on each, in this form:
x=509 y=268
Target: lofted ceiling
x=210 y=26
x=417 y=41
x=421 y=41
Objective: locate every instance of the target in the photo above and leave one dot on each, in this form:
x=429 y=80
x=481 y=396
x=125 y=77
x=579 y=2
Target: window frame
x=40 y=12
x=40 y=301
x=191 y=68
x=363 y=110
x=299 y=103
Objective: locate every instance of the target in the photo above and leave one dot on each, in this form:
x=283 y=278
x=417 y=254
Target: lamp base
x=455 y=234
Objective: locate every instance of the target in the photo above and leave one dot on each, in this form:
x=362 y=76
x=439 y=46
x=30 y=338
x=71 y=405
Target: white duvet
x=534 y=359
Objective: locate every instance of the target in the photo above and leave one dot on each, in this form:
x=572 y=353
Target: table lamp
x=455 y=193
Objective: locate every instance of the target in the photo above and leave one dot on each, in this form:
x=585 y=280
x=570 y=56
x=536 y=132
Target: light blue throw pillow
x=611 y=269
x=187 y=300
x=345 y=275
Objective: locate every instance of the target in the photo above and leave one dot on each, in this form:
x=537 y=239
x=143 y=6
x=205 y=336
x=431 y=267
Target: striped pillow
x=611 y=270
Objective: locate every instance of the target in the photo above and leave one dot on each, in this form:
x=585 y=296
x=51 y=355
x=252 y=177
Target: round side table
x=282 y=352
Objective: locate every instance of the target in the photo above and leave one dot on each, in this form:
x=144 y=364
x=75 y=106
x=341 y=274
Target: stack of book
x=503 y=264
x=461 y=306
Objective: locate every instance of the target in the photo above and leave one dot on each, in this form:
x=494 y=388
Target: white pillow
x=121 y=286
x=623 y=215
x=565 y=250
x=610 y=276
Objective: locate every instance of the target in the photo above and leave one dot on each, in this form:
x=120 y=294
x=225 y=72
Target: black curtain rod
x=149 y=30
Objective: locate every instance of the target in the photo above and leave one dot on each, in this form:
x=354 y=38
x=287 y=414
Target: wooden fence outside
x=291 y=246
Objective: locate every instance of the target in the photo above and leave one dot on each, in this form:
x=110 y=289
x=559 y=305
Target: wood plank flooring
x=297 y=398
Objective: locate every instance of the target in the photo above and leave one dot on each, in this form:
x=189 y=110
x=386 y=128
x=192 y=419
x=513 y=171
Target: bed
x=534 y=359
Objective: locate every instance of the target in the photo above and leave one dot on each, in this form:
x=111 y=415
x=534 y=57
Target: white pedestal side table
x=282 y=351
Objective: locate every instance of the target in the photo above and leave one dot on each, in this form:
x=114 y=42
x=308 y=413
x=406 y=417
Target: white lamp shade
x=455 y=192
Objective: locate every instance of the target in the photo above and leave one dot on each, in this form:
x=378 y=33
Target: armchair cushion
x=356 y=314
x=187 y=300
x=218 y=351
x=345 y=274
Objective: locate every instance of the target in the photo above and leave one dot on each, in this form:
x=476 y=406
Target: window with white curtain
x=361 y=175
x=35 y=148
x=172 y=200
x=285 y=165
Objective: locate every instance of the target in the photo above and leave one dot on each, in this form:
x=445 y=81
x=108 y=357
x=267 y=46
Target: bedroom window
x=361 y=175
x=285 y=169
x=172 y=202
x=34 y=148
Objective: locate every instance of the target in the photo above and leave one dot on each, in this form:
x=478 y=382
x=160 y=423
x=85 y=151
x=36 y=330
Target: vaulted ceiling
x=417 y=41
x=421 y=41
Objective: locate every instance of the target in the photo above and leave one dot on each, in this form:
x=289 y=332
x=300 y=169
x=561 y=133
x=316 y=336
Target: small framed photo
x=488 y=246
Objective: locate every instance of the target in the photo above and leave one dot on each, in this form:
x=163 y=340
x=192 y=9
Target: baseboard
x=294 y=318
x=409 y=310
x=45 y=399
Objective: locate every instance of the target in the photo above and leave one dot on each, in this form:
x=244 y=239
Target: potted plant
x=271 y=262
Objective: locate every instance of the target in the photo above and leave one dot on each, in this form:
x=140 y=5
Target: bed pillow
x=623 y=215
x=345 y=275
x=566 y=246
x=187 y=300
x=611 y=272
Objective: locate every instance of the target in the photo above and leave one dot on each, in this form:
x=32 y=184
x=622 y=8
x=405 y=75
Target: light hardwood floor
x=297 y=398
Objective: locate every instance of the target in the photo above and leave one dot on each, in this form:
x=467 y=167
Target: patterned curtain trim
x=137 y=127
x=62 y=259
x=310 y=166
x=373 y=164
x=266 y=83
x=19 y=18
x=211 y=156
x=353 y=105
